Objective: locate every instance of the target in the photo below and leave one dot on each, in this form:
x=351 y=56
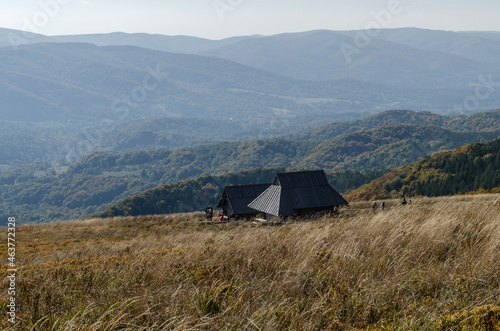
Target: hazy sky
x=216 y=19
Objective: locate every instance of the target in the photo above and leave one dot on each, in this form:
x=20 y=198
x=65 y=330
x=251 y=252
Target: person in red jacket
x=221 y=218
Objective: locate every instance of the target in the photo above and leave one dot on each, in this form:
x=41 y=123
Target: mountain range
x=79 y=93
x=89 y=120
x=317 y=55
x=368 y=149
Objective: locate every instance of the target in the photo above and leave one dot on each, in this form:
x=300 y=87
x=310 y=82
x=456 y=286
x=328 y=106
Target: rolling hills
x=88 y=120
x=318 y=55
x=471 y=168
x=371 y=150
x=84 y=93
x=479 y=122
x=392 y=55
x=101 y=179
x=61 y=145
x=83 y=82
x=96 y=93
x=60 y=82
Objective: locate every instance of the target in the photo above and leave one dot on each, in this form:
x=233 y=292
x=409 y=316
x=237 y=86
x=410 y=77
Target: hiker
x=221 y=218
x=374 y=206
x=210 y=213
x=382 y=206
x=403 y=202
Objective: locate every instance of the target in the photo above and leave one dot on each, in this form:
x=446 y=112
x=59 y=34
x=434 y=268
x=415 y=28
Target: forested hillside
x=371 y=150
x=195 y=194
x=479 y=122
x=475 y=167
x=101 y=179
x=22 y=143
x=50 y=197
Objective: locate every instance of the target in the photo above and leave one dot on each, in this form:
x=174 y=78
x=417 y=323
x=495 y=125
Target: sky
x=218 y=19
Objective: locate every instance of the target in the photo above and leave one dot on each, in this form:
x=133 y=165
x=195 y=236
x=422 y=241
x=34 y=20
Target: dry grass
x=434 y=265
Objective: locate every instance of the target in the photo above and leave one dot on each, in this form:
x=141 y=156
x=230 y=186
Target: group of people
x=382 y=205
x=375 y=206
x=405 y=203
x=210 y=214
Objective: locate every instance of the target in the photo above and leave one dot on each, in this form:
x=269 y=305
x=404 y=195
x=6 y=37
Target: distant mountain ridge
x=158 y=42
x=313 y=54
x=113 y=97
x=72 y=81
x=318 y=55
x=477 y=46
x=407 y=55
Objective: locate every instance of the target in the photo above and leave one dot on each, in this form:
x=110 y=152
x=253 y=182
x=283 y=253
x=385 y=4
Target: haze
x=217 y=19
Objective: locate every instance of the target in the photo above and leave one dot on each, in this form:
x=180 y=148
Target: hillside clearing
x=434 y=265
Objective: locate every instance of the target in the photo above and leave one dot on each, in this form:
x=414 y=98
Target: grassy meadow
x=433 y=265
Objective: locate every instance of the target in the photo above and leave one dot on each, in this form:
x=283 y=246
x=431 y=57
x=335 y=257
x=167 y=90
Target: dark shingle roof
x=240 y=196
x=297 y=190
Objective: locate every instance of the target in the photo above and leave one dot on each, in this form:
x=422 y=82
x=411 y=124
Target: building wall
x=227 y=209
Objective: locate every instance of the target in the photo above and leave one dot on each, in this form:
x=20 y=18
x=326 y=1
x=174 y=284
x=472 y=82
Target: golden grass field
x=434 y=265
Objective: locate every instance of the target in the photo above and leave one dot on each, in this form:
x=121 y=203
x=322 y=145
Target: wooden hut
x=235 y=200
x=298 y=194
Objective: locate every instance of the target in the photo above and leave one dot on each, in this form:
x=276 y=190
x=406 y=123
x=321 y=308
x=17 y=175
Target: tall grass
x=432 y=265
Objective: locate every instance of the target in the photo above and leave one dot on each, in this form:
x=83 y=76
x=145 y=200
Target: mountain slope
x=101 y=179
x=371 y=150
x=186 y=196
x=407 y=56
x=83 y=80
x=59 y=82
x=477 y=47
x=319 y=55
x=466 y=169
x=173 y=44
x=14 y=38
x=386 y=147
x=469 y=168
x=195 y=194
x=478 y=122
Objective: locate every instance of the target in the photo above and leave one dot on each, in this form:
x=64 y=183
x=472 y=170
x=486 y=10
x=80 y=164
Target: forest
x=472 y=168
x=196 y=194
x=359 y=150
